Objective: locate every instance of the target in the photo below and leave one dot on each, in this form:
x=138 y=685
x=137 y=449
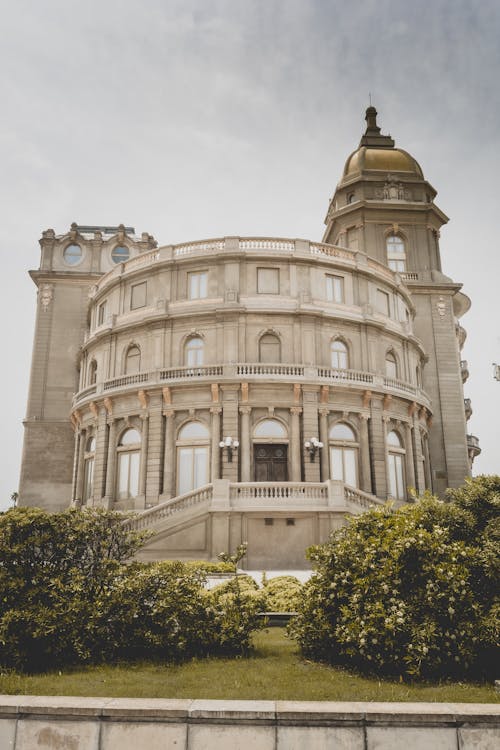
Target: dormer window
x=396 y=253
x=120 y=254
x=72 y=255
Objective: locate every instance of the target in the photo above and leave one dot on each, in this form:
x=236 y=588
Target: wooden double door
x=270 y=463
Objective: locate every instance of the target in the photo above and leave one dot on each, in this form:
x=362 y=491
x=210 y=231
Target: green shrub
x=282 y=593
x=67 y=596
x=411 y=592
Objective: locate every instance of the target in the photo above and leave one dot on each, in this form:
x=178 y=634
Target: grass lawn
x=274 y=671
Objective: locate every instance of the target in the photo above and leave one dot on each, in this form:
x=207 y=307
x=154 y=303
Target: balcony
x=464 y=369
x=253 y=372
x=473 y=448
x=467 y=408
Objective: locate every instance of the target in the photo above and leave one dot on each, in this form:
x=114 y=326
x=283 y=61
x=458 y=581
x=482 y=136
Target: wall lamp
x=313 y=445
x=231 y=445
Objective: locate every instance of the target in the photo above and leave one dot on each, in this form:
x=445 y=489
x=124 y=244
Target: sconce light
x=231 y=445
x=313 y=445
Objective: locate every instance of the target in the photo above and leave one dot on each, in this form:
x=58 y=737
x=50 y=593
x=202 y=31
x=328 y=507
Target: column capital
x=168 y=412
x=296 y=410
x=216 y=410
x=245 y=409
x=364 y=416
x=324 y=411
x=386 y=419
x=144 y=416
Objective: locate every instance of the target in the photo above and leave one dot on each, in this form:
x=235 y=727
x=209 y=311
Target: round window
x=73 y=255
x=120 y=254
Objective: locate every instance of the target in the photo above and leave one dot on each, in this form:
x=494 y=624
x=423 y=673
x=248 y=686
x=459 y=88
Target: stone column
x=215 y=450
x=155 y=445
x=76 y=455
x=100 y=454
x=427 y=463
x=364 y=454
x=410 y=461
x=325 y=450
x=110 y=493
x=385 y=422
x=377 y=443
x=230 y=429
x=245 y=443
x=310 y=429
x=295 y=452
x=144 y=456
x=417 y=453
x=169 y=456
x=81 y=468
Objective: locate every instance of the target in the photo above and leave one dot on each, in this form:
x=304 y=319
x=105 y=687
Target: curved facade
x=252 y=388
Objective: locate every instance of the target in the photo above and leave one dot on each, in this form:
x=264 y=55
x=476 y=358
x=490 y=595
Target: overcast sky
x=200 y=118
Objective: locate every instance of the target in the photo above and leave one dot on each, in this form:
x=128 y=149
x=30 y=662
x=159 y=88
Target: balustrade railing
x=331 y=251
x=266 y=243
x=258 y=370
x=409 y=276
x=203 y=246
x=152 y=516
x=175 y=373
x=269 y=369
x=144 y=259
x=352 y=376
x=271 y=492
x=358 y=497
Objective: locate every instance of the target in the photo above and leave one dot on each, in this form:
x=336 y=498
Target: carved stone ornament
x=46 y=295
x=94 y=409
x=143 y=398
x=244 y=392
x=108 y=405
x=297 y=392
x=324 y=394
x=387 y=400
x=393 y=190
x=92 y=291
x=441 y=307
x=167 y=395
x=215 y=393
x=367 y=397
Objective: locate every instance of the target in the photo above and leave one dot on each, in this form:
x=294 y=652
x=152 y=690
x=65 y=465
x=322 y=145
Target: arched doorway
x=270 y=446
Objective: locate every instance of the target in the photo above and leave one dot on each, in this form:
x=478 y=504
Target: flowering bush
x=411 y=592
x=282 y=593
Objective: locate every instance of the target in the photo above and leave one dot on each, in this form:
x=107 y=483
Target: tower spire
x=372 y=136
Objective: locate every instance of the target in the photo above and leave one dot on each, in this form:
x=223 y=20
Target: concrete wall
x=51 y=723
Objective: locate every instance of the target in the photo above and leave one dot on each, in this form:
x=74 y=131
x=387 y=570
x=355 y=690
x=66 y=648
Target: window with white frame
x=391 y=365
x=396 y=255
x=335 y=288
x=138 y=296
x=194 y=351
x=268 y=281
x=132 y=360
x=192 y=457
x=343 y=454
x=339 y=355
x=396 y=458
x=269 y=348
x=129 y=452
x=383 y=302
x=101 y=314
x=198 y=285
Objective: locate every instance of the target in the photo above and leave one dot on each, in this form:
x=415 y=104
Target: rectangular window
x=197 y=284
x=138 y=296
x=397 y=265
x=268 y=281
x=335 y=289
x=101 y=314
x=383 y=305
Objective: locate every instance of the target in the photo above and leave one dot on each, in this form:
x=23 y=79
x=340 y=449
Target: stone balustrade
x=331 y=495
x=255 y=371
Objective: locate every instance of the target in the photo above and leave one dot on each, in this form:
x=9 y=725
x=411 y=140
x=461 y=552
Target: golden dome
x=381 y=159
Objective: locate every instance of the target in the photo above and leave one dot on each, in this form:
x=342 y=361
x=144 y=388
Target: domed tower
x=384 y=207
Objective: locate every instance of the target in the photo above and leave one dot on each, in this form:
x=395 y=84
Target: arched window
x=93 y=372
x=132 y=360
x=350 y=198
x=88 y=470
x=391 y=365
x=269 y=348
x=396 y=255
x=192 y=457
x=396 y=455
x=339 y=355
x=129 y=450
x=344 y=454
x=193 y=352
x=270 y=429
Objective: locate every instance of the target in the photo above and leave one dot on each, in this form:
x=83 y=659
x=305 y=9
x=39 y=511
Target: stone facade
x=252 y=388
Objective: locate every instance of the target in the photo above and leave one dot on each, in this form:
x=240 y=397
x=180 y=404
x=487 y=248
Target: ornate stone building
x=250 y=388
